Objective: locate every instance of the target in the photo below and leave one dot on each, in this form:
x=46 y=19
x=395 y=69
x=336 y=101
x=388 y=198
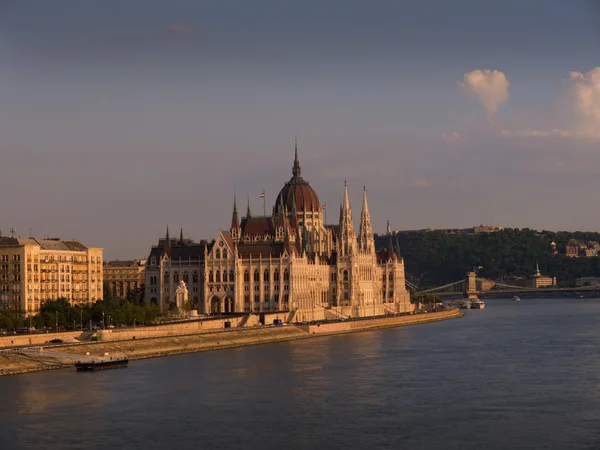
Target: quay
x=166 y=342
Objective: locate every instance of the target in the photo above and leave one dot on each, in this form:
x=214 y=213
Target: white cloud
x=538 y=133
x=450 y=137
x=490 y=87
x=583 y=98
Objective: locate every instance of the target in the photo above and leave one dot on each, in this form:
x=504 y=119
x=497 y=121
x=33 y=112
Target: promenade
x=151 y=347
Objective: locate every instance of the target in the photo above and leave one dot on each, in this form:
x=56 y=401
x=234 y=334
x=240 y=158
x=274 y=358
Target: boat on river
x=477 y=304
x=516 y=298
x=89 y=366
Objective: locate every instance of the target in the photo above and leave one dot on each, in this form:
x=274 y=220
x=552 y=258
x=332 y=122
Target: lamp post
x=103 y=320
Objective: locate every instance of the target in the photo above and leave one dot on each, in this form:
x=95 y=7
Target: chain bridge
x=472 y=285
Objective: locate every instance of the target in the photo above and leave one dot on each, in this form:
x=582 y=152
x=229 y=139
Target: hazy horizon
x=120 y=119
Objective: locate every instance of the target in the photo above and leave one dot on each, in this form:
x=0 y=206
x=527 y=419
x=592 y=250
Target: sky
x=118 y=119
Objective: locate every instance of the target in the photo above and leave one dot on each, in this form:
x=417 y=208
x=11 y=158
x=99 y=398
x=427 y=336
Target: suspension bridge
x=472 y=285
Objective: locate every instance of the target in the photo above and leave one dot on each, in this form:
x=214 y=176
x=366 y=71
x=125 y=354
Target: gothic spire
x=248 y=213
x=365 y=234
x=347 y=235
x=181 y=235
x=296 y=170
x=235 y=223
x=167 y=235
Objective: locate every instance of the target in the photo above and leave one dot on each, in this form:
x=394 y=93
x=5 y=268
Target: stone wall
x=32 y=339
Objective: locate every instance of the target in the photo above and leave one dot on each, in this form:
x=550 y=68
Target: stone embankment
x=150 y=347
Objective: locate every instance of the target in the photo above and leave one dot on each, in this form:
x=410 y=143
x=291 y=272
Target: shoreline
x=156 y=347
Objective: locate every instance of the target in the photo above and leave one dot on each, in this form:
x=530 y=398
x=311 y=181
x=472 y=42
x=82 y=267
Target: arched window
x=225 y=276
x=246 y=276
x=390 y=294
x=276 y=275
x=286 y=275
x=391 y=276
x=266 y=276
x=218 y=276
x=231 y=277
x=224 y=253
x=345 y=276
x=185 y=277
x=195 y=277
x=384 y=277
x=175 y=277
x=256 y=276
x=218 y=254
x=346 y=295
x=166 y=277
x=210 y=277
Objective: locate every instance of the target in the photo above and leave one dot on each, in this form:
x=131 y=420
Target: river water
x=514 y=375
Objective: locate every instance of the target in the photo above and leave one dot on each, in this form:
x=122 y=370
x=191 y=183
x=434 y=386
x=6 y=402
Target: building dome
x=297 y=191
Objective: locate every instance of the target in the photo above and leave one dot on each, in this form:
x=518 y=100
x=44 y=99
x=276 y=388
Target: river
x=514 y=375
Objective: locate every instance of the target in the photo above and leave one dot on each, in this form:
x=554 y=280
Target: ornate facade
x=124 y=277
x=290 y=262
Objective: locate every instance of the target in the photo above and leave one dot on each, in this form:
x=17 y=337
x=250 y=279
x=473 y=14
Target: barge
x=88 y=366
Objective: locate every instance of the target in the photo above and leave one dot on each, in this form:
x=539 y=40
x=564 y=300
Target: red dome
x=298 y=190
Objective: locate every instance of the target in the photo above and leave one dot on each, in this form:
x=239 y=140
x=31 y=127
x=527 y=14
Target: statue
x=181 y=295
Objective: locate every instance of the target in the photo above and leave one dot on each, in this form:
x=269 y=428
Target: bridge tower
x=471 y=287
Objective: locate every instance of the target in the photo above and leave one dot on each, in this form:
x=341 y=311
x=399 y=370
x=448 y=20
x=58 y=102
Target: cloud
x=539 y=133
x=180 y=29
x=490 y=87
x=450 y=137
x=583 y=100
x=420 y=183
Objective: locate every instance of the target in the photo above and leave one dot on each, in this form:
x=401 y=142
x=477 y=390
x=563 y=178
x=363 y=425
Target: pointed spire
x=398 y=248
x=167 y=235
x=365 y=235
x=296 y=170
x=248 y=213
x=235 y=223
x=181 y=235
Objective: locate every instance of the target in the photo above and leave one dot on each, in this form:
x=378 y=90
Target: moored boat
x=88 y=366
x=516 y=298
x=477 y=304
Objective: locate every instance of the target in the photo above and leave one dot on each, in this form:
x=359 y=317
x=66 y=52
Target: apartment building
x=35 y=270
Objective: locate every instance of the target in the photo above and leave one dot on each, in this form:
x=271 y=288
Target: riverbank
x=12 y=364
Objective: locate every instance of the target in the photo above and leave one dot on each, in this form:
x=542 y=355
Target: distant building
x=481 y=229
x=540 y=281
x=124 y=277
x=572 y=248
x=587 y=281
x=35 y=270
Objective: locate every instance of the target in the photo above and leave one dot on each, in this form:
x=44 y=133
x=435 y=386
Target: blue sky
x=118 y=118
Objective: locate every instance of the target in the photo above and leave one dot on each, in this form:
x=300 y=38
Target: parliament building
x=290 y=263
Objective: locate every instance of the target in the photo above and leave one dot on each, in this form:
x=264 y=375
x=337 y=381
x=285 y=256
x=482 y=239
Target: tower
x=365 y=233
x=347 y=235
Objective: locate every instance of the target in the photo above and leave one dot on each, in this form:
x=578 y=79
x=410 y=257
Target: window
x=175 y=277
x=391 y=276
x=276 y=275
x=345 y=274
x=224 y=253
x=225 y=276
x=231 y=277
x=185 y=277
x=195 y=277
x=218 y=276
x=246 y=276
x=211 y=278
x=346 y=296
x=266 y=276
x=256 y=276
x=218 y=254
x=286 y=275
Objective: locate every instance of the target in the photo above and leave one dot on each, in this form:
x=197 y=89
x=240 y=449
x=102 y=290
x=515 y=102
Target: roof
x=257 y=226
x=297 y=193
x=45 y=244
x=193 y=252
x=264 y=250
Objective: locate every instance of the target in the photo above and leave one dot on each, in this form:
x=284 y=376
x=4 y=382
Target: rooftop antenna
x=12 y=232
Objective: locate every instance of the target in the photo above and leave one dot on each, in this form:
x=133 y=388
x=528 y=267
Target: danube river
x=514 y=375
